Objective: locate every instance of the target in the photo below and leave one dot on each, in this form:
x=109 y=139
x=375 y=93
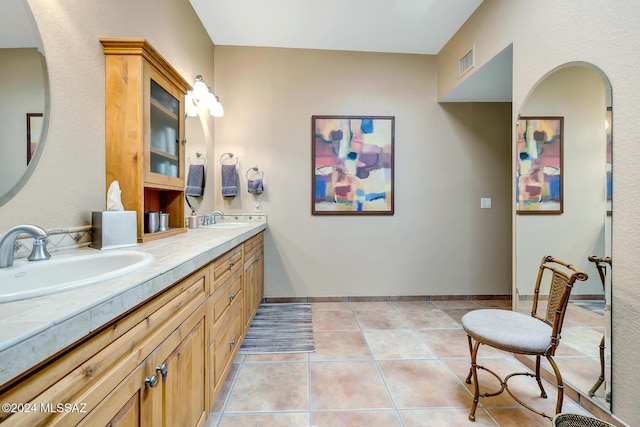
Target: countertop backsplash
x=61 y=239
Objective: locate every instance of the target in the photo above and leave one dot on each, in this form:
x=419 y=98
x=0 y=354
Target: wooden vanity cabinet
x=253 y=276
x=104 y=376
x=145 y=117
x=162 y=364
x=154 y=394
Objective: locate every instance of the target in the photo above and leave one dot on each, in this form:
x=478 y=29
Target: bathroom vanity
x=153 y=347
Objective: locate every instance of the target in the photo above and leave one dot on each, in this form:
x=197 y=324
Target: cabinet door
x=259 y=277
x=184 y=388
x=254 y=284
x=163 y=131
x=179 y=366
x=249 y=293
x=126 y=406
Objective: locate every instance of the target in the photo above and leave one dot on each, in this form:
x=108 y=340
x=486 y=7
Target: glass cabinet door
x=164 y=141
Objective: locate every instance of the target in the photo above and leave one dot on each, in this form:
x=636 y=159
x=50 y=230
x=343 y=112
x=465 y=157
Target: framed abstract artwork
x=34 y=130
x=609 y=164
x=352 y=165
x=539 y=165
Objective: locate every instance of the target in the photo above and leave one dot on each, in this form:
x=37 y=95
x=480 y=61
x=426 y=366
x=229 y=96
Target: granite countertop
x=32 y=330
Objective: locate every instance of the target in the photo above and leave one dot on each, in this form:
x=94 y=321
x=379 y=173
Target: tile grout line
x=309 y=376
x=229 y=392
x=375 y=362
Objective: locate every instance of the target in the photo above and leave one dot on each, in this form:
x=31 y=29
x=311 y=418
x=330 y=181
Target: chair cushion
x=508 y=330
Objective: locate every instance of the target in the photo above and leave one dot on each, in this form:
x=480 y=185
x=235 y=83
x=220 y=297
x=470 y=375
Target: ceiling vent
x=466 y=62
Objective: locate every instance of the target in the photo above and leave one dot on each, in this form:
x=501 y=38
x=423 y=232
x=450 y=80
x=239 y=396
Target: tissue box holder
x=113 y=229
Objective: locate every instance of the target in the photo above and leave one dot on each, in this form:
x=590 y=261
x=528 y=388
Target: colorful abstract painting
x=539 y=165
x=352 y=161
x=609 y=165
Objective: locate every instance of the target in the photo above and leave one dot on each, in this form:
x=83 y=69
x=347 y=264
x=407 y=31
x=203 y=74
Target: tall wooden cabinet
x=145 y=132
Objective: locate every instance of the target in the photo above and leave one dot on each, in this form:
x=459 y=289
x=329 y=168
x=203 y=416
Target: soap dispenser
x=193 y=220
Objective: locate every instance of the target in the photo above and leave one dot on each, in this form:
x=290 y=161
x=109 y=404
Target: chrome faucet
x=8 y=241
x=211 y=218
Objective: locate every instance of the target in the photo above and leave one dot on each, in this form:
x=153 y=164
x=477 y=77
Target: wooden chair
x=601 y=266
x=536 y=335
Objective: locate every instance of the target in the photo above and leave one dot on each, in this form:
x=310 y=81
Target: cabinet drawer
x=225 y=297
x=254 y=256
x=226 y=265
x=252 y=243
x=225 y=343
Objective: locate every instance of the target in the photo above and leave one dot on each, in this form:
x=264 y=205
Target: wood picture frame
x=539 y=177
x=609 y=163
x=352 y=165
x=34 y=132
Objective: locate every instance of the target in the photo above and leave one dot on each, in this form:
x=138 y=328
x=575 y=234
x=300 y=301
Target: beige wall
x=439 y=242
x=545 y=35
x=69 y=182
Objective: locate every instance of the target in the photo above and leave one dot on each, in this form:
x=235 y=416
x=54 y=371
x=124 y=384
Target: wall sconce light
x=201 y=95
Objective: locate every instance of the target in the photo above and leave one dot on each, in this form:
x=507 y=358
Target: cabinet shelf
x=163 y=153
x=158 y=107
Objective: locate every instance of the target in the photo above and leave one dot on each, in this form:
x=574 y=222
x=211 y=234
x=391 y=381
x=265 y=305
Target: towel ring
x=230 y=156
x=198 y=155
x=255 y=169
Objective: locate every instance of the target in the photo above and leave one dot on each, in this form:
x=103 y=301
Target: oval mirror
x=24 y=100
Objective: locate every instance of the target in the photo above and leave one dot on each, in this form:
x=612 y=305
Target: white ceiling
x=401 y=26
x=393 y=26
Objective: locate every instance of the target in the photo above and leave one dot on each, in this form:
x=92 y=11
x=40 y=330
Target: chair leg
x=560 y=384
x=600 y=380
x=474 y=372
x=470 y=354
x=543 y=393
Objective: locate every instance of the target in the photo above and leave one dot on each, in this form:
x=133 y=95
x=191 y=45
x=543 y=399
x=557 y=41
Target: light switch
x=485 y=202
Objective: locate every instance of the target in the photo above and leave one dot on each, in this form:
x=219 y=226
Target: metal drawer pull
x=232 y=296
x=232 y=342
x=162 y=369
x=232 y=263
x=258 y=258
x=151 y=381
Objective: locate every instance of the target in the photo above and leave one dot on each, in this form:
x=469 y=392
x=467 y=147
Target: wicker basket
x=575 y=420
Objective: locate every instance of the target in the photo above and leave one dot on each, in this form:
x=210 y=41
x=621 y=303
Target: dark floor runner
x=280 y=328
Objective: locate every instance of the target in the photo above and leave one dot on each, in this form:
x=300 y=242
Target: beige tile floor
x=378 y=364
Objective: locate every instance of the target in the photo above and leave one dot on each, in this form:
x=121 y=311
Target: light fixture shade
x=190 y=107
x=202 y=96
x=200 y=89
x=217 y=110
x=209 y=100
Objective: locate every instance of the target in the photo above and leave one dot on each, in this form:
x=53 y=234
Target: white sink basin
x=227 y=225
x=28 y=279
